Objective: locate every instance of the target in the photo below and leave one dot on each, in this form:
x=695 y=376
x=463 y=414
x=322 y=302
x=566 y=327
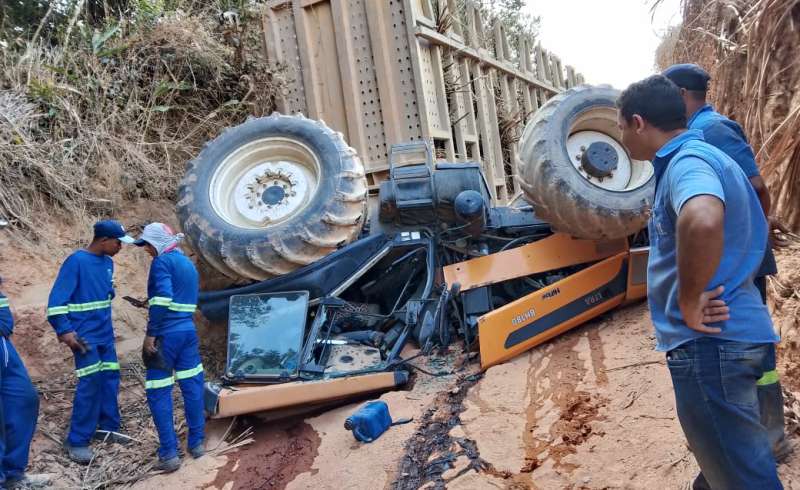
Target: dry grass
x=113 y=120
x=113 y=466
x=752 y=50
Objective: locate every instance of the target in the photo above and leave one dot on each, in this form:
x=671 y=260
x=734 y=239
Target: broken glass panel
x=265 y=335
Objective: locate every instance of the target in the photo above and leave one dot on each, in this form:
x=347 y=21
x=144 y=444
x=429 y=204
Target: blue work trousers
x=181 y=354
x=95 y=405
x=716 y=396
x=19 y=409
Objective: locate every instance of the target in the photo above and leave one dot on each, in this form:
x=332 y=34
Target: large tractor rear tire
x=272 y=195
x=575 y=172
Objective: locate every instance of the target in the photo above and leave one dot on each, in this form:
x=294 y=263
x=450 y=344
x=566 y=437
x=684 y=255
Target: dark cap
x=111 y=229
x=688 y=76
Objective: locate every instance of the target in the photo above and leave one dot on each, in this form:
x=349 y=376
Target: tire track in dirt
x=531 y=413
x=553 y=391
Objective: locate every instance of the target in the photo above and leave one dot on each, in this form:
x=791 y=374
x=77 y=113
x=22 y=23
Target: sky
x=609 y=41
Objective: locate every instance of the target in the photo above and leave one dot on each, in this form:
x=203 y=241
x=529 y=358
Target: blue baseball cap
x=111 y=229
x=688 y=76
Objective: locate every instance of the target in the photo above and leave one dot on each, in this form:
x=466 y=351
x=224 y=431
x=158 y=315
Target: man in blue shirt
x=19 y=409
x=729 y=137
x=171 y=344
x=79 y=309
x=707 y=239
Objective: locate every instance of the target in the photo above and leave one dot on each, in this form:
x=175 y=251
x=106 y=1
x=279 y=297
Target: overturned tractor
x=339 y=282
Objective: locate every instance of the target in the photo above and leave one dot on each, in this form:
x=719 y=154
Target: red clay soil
x=280 y=452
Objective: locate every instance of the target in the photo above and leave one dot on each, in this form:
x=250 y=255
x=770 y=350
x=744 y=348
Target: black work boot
x=198 y=451
x=81 y=455
x=168 y=465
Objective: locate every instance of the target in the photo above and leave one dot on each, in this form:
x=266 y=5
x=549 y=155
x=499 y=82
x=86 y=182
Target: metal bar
x=434 y=37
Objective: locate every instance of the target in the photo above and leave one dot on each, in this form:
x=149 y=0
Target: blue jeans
x=717 y=402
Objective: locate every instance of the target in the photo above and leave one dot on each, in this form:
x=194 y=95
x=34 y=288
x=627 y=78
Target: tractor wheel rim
x=264 y=183
x=599 y=125
x=619 y=178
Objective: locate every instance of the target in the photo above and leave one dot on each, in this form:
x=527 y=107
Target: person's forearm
x=700 y=242
x=766 y=202
x=763 y=194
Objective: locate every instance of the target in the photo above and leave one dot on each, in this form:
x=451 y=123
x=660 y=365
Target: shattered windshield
x=265 y=334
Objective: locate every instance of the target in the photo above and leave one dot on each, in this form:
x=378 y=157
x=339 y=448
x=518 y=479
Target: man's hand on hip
x=704 y=309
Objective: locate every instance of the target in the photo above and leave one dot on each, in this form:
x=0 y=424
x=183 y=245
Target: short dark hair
x=657 y=100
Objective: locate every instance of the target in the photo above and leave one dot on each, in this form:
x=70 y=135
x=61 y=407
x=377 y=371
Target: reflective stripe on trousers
x=179 y=375
x=96 y=368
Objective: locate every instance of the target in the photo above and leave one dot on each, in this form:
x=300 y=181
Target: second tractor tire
x=559 y=191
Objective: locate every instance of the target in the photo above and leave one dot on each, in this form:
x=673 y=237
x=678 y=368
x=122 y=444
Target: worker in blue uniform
x=170 y=347
x=19 y=409
x=728 y=136
x=79 y=309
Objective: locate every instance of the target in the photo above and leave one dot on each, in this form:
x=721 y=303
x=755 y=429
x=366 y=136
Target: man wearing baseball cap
x=728 y=136
x=170 y=349
x=79 y=309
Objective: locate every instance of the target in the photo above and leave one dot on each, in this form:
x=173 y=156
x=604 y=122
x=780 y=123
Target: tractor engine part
x=417 y=196
x=575 y=172
x=470 y=207
x=272 y=195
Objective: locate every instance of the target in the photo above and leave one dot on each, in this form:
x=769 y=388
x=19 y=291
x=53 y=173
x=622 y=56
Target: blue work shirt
x=172 y=289
x=728 y=136
x=80 y=300
x=6 y=318
x=687 y=167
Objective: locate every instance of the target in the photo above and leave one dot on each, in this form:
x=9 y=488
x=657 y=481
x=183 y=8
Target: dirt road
x=592 y=409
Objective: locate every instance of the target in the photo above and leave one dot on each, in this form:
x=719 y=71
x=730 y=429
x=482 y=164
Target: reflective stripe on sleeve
x=57 y=310
x=184 y=308
x=79 y=307
x=94 y=305
x=171 y=305
x=159 y=301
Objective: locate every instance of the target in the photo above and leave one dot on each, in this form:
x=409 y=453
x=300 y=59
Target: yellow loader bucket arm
x=617 y=275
